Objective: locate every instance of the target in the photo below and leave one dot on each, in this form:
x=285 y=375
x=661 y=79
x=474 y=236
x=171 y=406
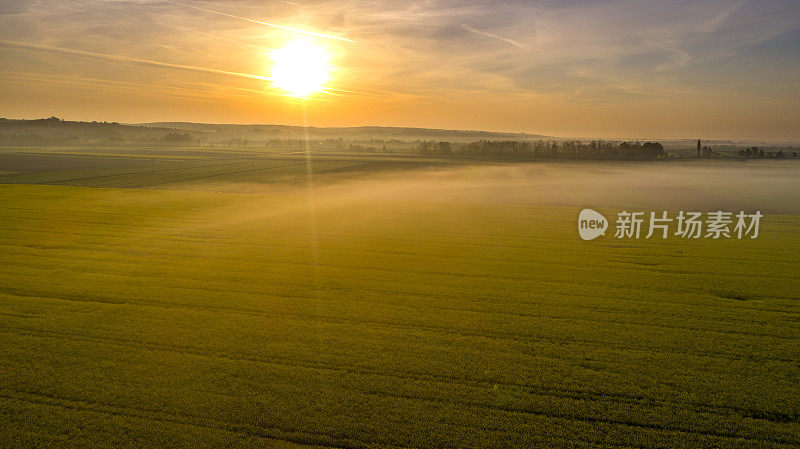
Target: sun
x=300 y=68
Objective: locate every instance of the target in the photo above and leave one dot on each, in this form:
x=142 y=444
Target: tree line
x=552 y=149
x=756 y=153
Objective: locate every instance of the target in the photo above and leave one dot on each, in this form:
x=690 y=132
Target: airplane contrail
x=296 y=30
x=129 y=59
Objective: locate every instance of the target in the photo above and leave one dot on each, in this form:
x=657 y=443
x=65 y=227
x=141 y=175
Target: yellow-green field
x=185 y=317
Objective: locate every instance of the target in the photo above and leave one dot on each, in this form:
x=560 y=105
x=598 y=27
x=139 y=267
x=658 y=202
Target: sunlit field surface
x=201 y=298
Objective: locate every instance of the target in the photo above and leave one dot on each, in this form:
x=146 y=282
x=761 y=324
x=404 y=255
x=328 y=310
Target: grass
x=174 y=318
x=189 y=168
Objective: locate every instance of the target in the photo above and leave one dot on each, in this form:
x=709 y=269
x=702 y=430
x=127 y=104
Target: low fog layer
x=768 y=186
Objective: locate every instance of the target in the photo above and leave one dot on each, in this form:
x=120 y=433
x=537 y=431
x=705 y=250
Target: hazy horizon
x=770 y=141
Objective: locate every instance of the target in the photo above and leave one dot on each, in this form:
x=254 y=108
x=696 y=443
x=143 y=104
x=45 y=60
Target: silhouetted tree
x=652 y=150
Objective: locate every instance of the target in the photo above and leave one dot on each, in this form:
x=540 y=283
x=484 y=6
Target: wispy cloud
x=282 y=27
x=718 y=20
x=121 y=58
x=494 y=36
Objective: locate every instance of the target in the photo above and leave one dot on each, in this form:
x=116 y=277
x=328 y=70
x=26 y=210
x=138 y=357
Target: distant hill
x=54 y=131
x=350 y=133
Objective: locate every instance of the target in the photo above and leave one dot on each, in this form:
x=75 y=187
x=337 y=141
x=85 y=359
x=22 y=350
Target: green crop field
x=172 y=300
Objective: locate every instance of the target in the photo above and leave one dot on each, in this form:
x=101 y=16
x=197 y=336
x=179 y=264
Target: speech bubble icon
x=591 y=224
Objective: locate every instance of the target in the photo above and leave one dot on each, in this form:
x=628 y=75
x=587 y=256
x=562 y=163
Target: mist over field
x=768 y=186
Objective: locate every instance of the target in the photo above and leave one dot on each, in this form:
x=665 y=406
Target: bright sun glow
x=300 y=68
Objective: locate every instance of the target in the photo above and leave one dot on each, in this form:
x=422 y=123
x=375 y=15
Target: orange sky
x=684 y=69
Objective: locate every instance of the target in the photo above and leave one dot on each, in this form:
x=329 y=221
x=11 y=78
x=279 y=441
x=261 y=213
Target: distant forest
x=566 y=149
x=370 y=139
